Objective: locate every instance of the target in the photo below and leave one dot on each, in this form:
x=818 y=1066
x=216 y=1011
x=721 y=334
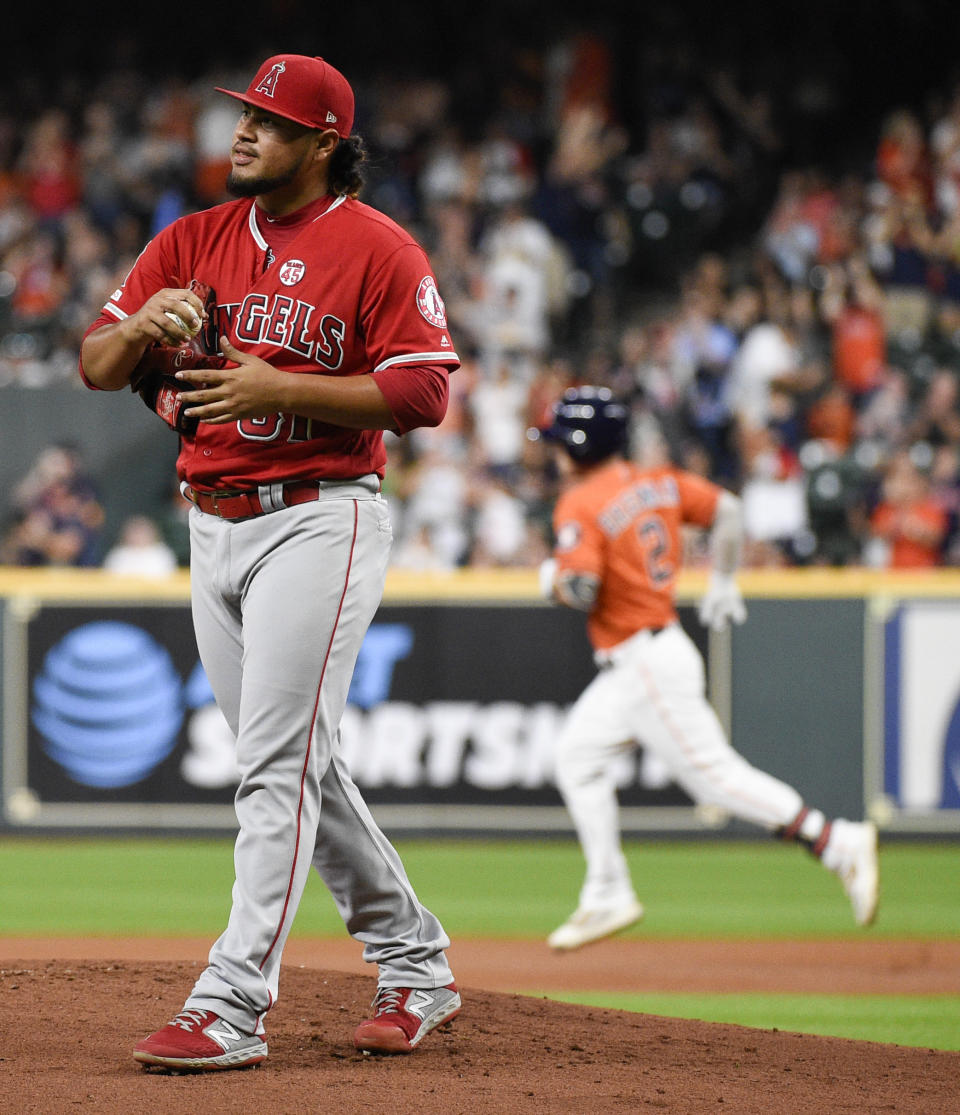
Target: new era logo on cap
x=306 y=90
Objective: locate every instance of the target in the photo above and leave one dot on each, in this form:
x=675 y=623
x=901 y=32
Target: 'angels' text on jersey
x=285 y=322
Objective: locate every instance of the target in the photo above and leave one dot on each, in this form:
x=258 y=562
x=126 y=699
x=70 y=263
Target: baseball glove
x=154 y=377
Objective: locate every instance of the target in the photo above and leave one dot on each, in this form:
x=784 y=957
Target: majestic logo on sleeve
x=268 y=86
x=292 y=272
x=430 y=304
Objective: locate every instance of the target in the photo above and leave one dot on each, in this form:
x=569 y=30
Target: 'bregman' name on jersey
x=633 y=501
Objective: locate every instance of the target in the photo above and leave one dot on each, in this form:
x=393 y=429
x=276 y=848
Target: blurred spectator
x=936 y=419
x=498 y=409
x=57 y=517
x=700 y=339
x=433 y=503
x=774 y=506
x=213 y=126
x=140 y=550
x=41 y=283
x=945 y=153
x=767 y=358
x=883 y=418
x=501 y=533
x=795 y=226
x=576 y=201
x=902 y=246
x=525 y=289
x=855 y=313
x=908 y=527
x=945 y=490
x=156 y=162
x=832 y=418
x=99 y=162
x=49 y=167
x=903 y=161
x=703 y=346
x=552 y=380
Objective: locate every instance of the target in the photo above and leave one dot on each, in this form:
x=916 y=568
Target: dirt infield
x=70 y=1012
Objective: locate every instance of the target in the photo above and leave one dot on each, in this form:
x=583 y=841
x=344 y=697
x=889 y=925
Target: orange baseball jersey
x=621 y=523
x=351 y=293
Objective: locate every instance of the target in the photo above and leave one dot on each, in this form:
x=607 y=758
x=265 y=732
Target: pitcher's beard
x=254 y=187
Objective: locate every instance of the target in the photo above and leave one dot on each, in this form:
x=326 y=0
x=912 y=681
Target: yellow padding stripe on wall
x=495 y=585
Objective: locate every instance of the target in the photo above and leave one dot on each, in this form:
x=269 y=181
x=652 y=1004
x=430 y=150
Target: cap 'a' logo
x=268 y=83
x=430 y=304
x=292 y=272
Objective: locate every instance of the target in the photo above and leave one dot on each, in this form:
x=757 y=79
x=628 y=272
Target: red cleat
x=199 y=1041
x=403 y=1016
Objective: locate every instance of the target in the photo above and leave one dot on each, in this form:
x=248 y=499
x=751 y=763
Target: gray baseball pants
x=281 y=604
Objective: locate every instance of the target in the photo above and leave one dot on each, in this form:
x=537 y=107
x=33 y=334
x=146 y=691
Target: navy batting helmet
x=589 y=423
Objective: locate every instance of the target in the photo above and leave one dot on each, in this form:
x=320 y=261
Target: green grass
x=692 y=890
x=488 y=888
x=923 y=1020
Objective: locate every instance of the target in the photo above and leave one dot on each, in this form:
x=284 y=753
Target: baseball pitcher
x=280 y=334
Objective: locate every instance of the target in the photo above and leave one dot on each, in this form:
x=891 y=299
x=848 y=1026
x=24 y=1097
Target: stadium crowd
x=782 y=319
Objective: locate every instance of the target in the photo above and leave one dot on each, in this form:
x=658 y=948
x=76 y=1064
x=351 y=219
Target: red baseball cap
x=306 y=90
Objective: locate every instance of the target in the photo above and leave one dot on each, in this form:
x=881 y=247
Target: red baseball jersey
x=352 y=293
x=621 y=523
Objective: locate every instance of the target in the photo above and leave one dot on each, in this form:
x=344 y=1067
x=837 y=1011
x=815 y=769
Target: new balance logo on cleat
x=199 y=1041
x=419 y=1003
x=403 y=1016
x=223 y=1034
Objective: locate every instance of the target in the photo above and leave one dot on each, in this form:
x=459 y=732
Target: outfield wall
x=844 y=683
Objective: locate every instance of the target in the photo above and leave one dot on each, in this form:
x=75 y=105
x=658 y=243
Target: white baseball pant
x=651 y=692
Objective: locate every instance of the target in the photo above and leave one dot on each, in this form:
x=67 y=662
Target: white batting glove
x=722 y=603
x=547 y=573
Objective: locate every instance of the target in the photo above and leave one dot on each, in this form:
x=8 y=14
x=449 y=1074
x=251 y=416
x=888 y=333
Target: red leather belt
x=247 y=504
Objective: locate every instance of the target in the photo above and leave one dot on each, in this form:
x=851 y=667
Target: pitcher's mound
x=67 y=1031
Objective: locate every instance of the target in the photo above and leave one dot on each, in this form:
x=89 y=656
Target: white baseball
x=177 y=320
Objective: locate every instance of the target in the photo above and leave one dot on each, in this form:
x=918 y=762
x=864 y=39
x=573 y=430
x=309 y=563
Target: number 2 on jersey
x=655 y=547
